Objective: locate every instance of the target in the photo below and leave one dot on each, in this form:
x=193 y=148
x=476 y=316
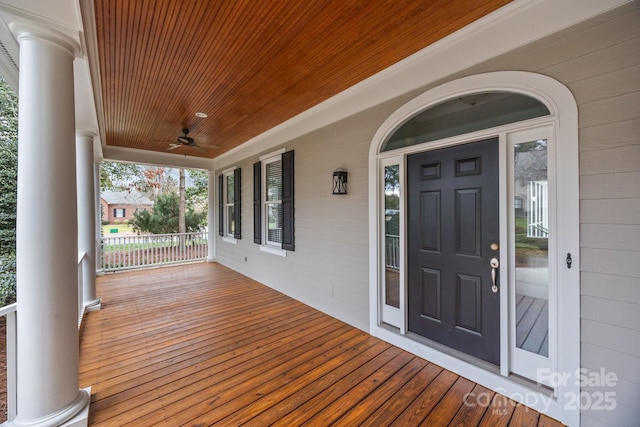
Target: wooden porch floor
x=201 y=344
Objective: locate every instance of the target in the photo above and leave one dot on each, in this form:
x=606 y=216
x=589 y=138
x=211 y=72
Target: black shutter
x=288 y=241
x=115 y=212
x=236 y=204
x=257 y=203
x=221 y=205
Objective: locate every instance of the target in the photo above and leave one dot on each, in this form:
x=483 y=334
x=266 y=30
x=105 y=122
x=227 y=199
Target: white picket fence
x=128 y=252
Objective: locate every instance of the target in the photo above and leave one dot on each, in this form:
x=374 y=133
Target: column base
x=94 y=305
x=74 y=415
x=82 y=418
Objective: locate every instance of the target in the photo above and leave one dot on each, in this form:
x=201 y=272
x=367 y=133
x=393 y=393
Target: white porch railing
x=128 y=252
x=392 y=251
x=11 y=331
x=83 y=263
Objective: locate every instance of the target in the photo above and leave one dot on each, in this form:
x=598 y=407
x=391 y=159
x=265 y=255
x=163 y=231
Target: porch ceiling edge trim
x=10 y=56
x=132 y=155
x=481 y=40
x=61 y=27
x=90 y=43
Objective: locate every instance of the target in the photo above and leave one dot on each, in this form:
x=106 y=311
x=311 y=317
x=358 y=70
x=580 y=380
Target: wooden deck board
x=202 y=345
x=532 y=324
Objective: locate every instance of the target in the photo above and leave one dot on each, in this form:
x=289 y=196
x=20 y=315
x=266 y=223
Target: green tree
x=8 y=191
x=198 y=190
x=149 y=180
x=8 y=195
x=164 y=218
x=118 y=176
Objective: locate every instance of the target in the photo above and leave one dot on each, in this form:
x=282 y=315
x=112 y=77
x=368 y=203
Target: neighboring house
x=121 y=206
x=544 y=245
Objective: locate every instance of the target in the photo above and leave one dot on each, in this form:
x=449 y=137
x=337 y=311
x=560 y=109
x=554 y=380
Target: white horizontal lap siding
x=608 y=96
x=599 y=61
x=331 y=257
x=329 y=267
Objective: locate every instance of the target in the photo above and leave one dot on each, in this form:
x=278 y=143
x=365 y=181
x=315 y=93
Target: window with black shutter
x=273 y=202
x=229 y=204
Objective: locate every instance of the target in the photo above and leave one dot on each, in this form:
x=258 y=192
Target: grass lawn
x=107 y=230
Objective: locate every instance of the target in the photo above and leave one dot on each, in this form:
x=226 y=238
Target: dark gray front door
x=452 y=235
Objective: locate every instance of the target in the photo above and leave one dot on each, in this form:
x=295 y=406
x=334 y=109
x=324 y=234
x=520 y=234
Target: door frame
x=484 y=343
x=563 y=120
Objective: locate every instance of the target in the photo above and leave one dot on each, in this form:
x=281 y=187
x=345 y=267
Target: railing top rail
x=11 y=308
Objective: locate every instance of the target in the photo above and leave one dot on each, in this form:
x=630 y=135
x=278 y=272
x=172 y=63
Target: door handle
x=494 y=263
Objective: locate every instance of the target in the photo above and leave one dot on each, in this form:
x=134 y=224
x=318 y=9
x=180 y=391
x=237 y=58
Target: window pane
x=392 y=234
x=230 y=188
x=531 y=209
x=463 y=115
x=274 y=222
x=231 y=225
x=274 y=180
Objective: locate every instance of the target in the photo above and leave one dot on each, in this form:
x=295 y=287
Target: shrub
x=7 y=280
x=117 y=222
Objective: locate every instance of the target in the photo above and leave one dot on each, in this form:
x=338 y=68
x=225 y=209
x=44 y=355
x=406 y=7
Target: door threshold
x=472 y=360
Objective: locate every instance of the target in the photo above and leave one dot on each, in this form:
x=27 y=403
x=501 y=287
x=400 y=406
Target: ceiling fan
x=185 y=140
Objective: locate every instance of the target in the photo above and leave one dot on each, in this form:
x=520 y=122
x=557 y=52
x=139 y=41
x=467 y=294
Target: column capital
x=86 y=133
x=27 y=30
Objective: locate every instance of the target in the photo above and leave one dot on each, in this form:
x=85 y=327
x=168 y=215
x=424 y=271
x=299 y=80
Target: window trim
x=266 y=203
x=287 y=201
x=223 y=205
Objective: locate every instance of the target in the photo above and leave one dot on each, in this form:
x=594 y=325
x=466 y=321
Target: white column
x=211 y=216
x=47 y=232
x=87 y=218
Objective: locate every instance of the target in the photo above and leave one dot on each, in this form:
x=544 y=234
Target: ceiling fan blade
x=173 y=146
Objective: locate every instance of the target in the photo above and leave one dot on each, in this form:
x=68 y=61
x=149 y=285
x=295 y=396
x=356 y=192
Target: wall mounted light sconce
x=340 y=181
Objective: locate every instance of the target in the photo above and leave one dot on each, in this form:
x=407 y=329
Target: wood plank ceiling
x=250 y=65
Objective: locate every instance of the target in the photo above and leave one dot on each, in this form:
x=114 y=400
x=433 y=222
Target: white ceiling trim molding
x=39 y=12
x=524 y=21
x=89 y=39
x=9 y=56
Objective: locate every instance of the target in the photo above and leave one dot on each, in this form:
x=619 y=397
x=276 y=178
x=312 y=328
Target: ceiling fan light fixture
x=184 y=139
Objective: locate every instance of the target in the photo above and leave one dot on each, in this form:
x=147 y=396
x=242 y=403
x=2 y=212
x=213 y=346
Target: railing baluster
x=9 y=311
x=120 y=253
